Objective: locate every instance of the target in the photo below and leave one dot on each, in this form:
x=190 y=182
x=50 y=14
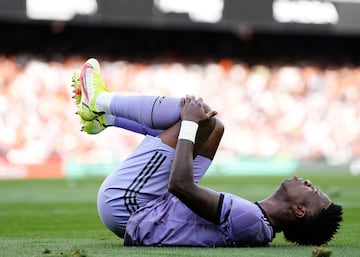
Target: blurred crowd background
x=295 y=97
x=301 y=110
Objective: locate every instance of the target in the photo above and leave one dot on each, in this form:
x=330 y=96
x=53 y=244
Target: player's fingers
x=187 y=100
x=190 y=98
x=182 y=101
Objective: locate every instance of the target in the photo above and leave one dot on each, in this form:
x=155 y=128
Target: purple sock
x=135 y=127
x=154 y=112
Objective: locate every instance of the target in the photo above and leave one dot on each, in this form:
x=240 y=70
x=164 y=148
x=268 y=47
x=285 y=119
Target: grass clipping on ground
x=321 y=252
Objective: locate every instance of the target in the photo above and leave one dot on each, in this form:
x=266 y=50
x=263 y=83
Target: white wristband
x=188 y=130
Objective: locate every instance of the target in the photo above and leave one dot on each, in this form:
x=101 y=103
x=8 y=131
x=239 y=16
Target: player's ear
x=299 y=210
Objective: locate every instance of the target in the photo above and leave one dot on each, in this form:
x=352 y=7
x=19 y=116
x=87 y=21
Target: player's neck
x=277 y=211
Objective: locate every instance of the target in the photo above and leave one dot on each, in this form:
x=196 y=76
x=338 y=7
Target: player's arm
x=201 y=200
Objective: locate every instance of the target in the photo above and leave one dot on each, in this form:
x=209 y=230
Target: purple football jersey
x=166 y=221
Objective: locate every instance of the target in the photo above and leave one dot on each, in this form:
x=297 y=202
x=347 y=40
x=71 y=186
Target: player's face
x=301 y=191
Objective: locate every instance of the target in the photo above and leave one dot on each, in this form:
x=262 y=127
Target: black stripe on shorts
x=140 y=181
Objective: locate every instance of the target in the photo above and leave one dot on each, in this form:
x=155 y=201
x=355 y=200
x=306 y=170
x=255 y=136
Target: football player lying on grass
x=153 y=198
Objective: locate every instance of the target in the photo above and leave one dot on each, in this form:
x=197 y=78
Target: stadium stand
x=286 y=95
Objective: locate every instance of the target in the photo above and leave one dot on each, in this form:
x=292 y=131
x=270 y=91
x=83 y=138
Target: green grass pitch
x=50 y=218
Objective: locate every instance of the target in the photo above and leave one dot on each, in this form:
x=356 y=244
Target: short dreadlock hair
x=317 y=231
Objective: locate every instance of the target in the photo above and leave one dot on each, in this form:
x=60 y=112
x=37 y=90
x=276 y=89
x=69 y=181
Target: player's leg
x=94 y=99
x=98 y=124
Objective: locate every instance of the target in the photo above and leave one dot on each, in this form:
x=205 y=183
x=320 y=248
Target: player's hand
x=193 y=109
